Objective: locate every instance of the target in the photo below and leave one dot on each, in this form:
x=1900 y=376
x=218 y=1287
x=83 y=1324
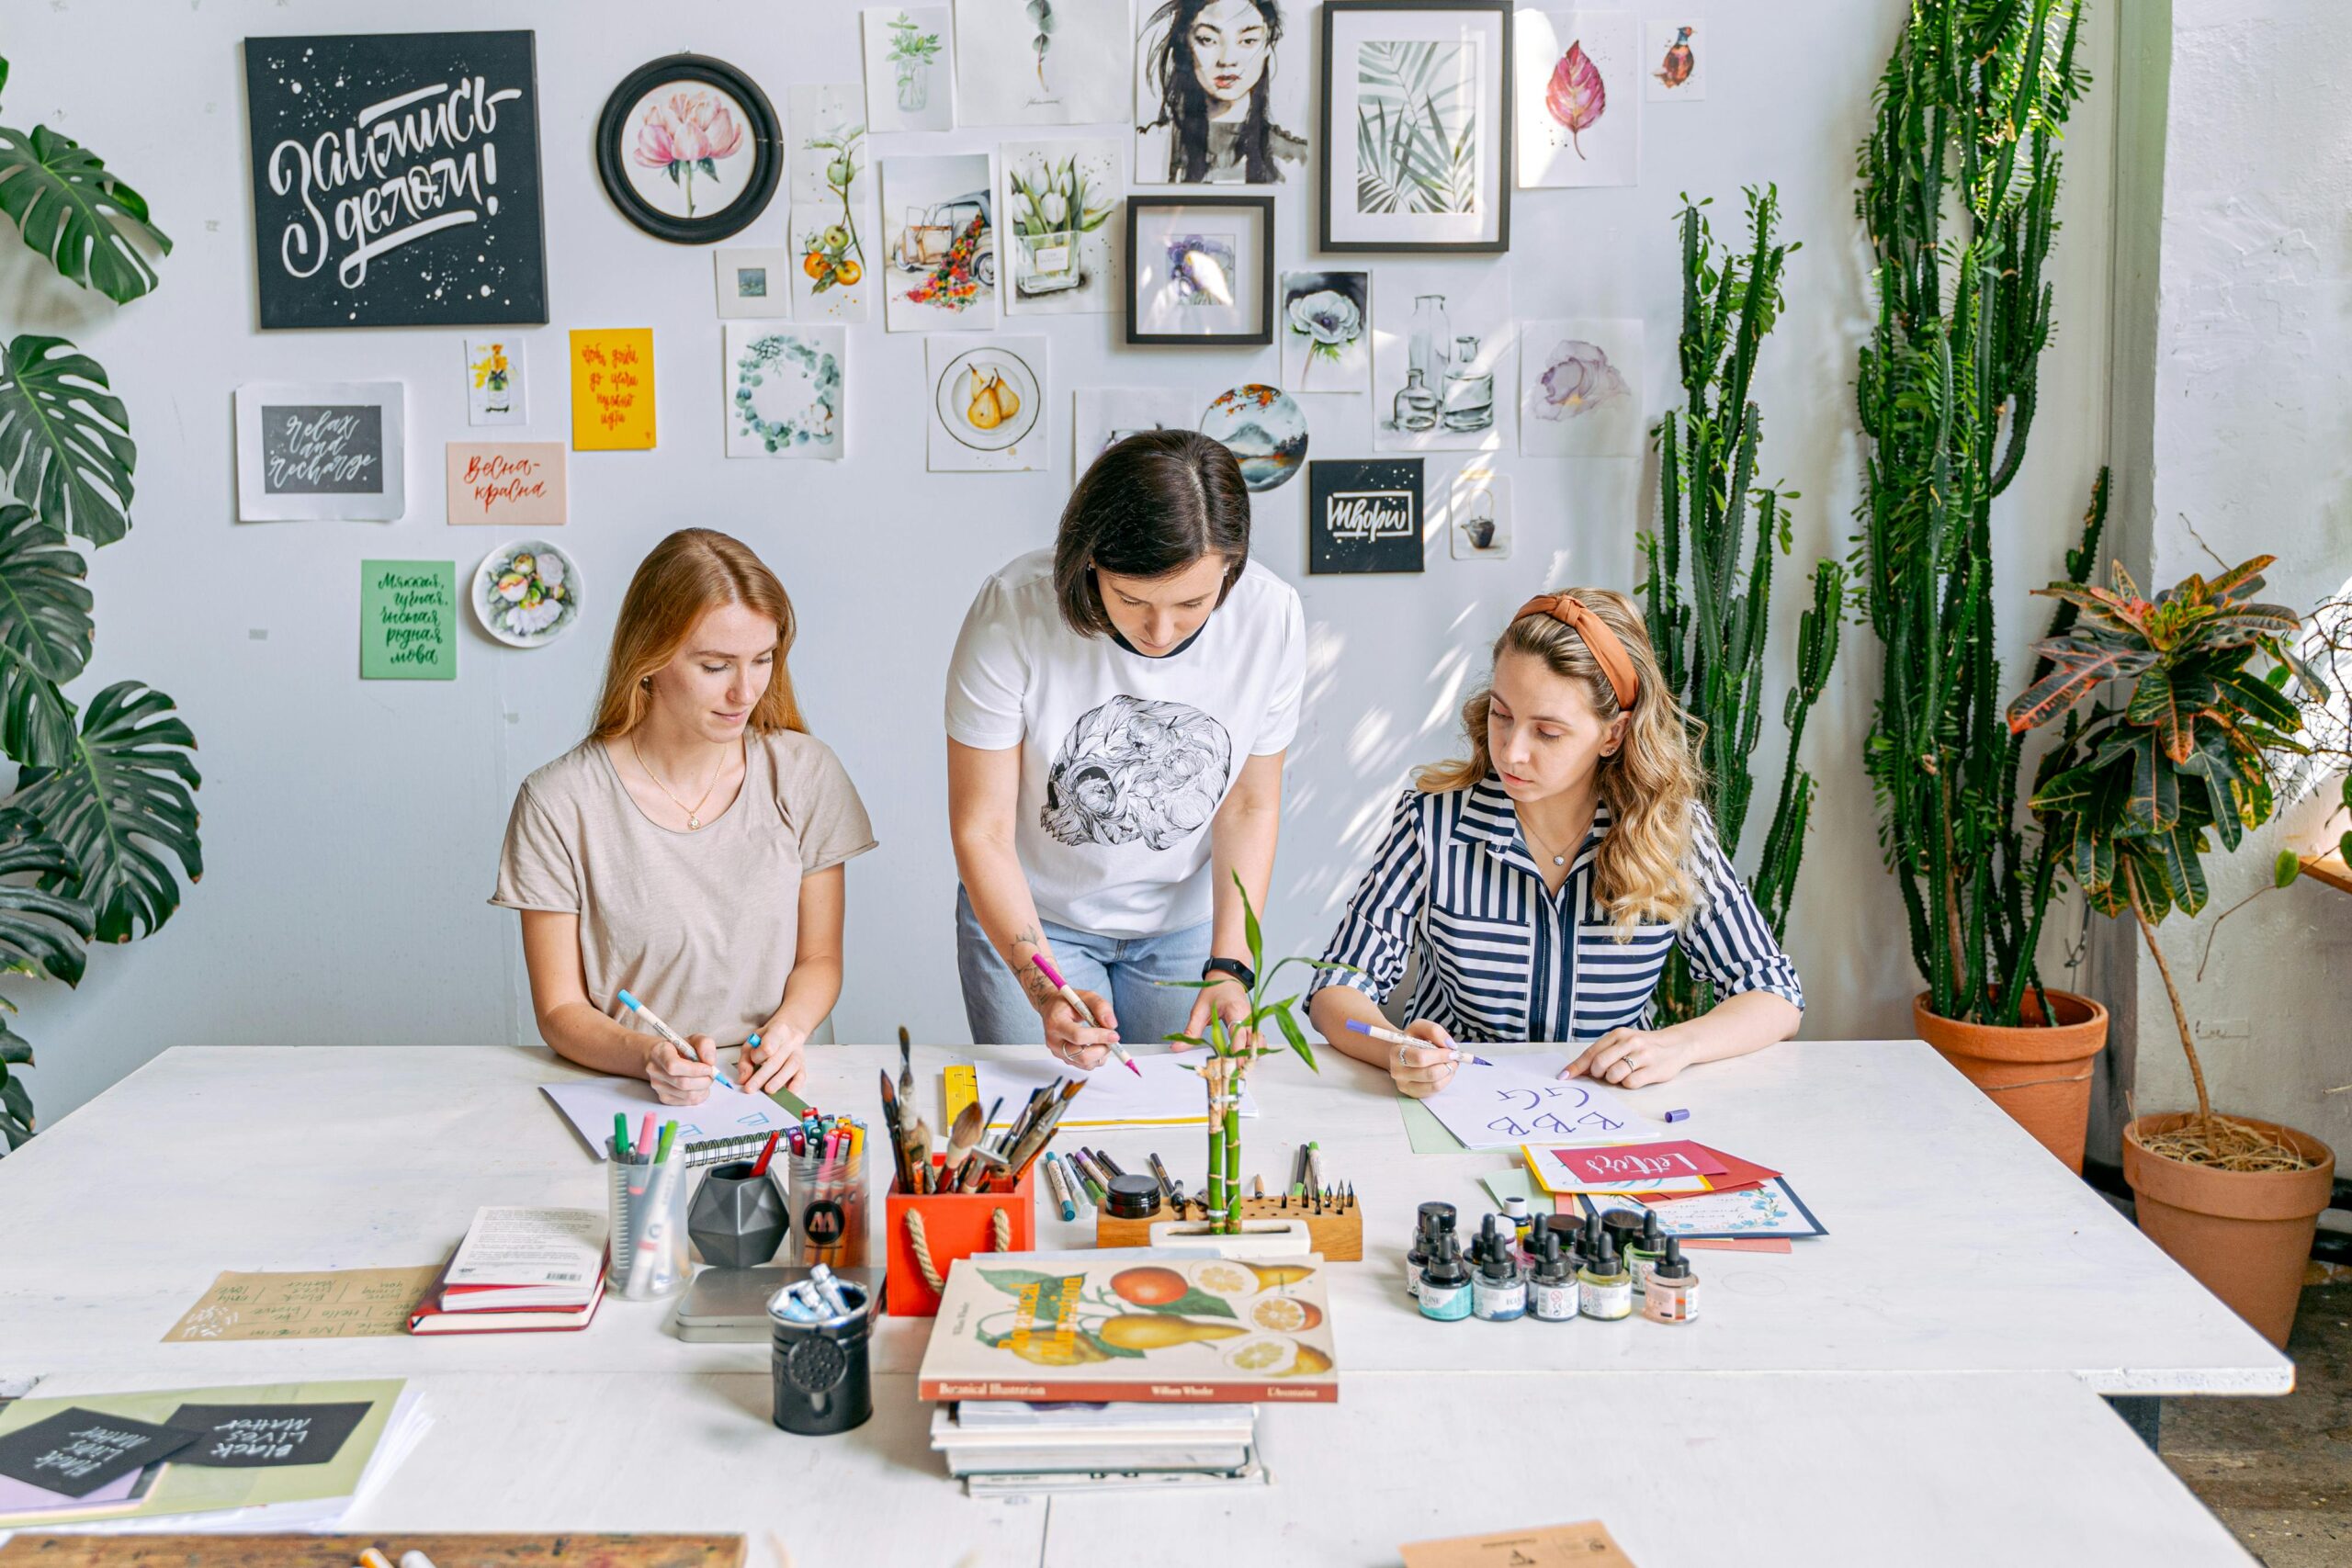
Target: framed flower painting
x=1416 y=140
x=689 y=149
x=1200 y=270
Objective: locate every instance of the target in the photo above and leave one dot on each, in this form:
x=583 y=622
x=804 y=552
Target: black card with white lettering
x=76 y=1451
x=1365 y=516
x=256 y=1437
x=396 y=179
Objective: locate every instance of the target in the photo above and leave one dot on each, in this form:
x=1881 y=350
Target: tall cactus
x=1709 y=623
x=1970 y=113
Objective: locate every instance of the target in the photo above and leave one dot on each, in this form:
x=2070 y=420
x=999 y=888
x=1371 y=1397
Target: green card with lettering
x=407 y=620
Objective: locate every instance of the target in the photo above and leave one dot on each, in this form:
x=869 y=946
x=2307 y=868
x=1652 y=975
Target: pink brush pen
x=1070 y=996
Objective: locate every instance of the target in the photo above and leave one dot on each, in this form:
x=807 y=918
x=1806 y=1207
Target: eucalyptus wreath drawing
x=1417 y=127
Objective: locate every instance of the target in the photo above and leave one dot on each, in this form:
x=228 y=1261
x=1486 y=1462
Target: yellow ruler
x=960 y=1087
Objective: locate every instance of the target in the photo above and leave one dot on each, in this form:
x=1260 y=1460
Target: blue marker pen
x=1394 y=1038
x=673 y=1037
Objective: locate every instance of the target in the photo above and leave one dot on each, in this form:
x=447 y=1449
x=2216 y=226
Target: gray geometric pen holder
x=736 y=1220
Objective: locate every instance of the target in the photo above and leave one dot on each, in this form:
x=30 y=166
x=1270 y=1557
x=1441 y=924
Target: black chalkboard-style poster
x=1365 y=516
x=396 y=179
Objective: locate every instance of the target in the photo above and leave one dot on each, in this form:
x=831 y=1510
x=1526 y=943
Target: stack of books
x=282 y=1456
x=998 y=1446
x=1121 y=1367
x=518 y=1271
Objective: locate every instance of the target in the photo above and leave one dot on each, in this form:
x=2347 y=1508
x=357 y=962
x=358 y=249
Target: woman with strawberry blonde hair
x=689 y=851
x=1542 y=880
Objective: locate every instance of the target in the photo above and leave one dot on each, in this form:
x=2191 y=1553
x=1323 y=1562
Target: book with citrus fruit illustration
x=1132 y=1323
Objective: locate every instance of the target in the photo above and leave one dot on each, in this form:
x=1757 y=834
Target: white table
x=1688 y=1470
x=1956 y=1244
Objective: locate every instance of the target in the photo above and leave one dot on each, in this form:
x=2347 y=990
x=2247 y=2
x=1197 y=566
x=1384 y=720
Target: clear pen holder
x=649 y=1232
x=828 y=1199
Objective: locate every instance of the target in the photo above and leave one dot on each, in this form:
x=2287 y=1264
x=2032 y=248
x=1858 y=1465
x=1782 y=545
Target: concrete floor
x=2278 y=1471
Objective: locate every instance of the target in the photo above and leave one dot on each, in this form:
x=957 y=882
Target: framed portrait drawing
x=689 y=149
x=1415 y=139
x=1200 y=270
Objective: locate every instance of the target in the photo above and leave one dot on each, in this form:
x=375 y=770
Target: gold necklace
x=693 y=812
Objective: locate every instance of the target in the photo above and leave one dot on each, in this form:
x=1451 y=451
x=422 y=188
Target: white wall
x=2243 y=398
x=351 y=829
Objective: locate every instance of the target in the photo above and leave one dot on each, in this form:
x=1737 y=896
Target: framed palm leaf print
x=1417 y=125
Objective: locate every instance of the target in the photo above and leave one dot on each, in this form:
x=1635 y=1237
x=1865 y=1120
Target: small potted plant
x=2125 y=802
x=1050 y=214
x=1230 y=1053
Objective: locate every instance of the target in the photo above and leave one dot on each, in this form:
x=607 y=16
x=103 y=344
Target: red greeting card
x=1596 y=1168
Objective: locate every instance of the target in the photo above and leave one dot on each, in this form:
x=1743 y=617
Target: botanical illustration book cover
x=1132 y=1323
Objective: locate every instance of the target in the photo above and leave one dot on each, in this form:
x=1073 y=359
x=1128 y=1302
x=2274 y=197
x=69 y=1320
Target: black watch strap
x=1233 y=966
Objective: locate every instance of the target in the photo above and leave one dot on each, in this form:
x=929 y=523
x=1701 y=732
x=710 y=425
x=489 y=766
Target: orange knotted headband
x=1608 y=650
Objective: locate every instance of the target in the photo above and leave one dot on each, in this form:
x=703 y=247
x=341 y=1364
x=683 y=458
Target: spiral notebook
x=730 y=1124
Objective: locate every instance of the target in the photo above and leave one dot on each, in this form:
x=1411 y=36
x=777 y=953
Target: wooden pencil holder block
x=949 y=1225
x=1338 y=1233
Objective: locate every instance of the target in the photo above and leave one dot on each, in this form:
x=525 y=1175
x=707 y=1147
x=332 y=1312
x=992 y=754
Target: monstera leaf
x=70 y=209
x=16 y=1103
x=65 y=445
x=38 y=927
x=45 y=635
x=120 y=799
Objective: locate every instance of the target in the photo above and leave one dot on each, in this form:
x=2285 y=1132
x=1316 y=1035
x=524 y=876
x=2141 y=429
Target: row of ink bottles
x=1518 y=1265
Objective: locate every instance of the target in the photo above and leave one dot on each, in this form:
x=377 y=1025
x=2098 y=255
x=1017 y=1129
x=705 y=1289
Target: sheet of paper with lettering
x=590 y=1105
x=1521 y=1100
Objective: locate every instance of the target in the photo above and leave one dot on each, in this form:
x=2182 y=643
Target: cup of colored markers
x=649 y=1182
x=826 y=1191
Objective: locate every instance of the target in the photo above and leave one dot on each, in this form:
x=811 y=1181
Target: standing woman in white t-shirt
x=1118 y=713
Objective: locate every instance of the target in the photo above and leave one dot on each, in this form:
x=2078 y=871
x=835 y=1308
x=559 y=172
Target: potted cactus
x=2126 y=801
x=1231 y=1051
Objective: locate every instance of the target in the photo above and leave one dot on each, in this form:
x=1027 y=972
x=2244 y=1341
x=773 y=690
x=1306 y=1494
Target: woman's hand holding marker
x=681 y=1073
x=1080 y=1027
x=1424 y=1057
x=780 y=1061
x=1631 y=1058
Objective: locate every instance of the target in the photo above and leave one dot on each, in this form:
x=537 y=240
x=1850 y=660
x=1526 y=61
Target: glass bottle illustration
x=1469 y=392
x=1429 y=346
x=1416 y=405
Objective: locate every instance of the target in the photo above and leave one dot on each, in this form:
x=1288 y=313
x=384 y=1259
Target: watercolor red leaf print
x=1576 y=95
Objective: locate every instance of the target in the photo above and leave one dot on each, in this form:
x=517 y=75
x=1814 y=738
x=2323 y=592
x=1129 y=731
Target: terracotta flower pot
x=2244 y=1234
x=2041 y=1076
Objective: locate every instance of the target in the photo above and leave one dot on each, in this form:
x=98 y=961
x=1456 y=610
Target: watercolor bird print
x=1674 y=69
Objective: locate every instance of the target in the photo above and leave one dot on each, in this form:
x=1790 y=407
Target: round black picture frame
x=767 y=148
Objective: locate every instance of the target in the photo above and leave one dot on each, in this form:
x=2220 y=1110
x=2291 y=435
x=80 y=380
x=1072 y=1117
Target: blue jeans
x=1122 y=968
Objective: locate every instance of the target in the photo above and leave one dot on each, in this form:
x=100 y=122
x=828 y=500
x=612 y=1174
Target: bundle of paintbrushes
x=972 y=1161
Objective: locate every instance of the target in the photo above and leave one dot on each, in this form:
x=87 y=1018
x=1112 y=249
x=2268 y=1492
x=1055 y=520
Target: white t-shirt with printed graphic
x=1124 y=760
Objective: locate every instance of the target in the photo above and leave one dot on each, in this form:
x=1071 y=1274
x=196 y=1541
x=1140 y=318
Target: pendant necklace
x=693 y=812
x=1560 y=859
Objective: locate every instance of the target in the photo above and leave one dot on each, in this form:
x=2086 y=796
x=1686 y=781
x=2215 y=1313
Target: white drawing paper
x=1522 y=1100
x=1579 y=98
x=1168 y=1094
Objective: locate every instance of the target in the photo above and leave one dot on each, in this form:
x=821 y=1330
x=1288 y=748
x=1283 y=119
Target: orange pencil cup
x=928 y=1231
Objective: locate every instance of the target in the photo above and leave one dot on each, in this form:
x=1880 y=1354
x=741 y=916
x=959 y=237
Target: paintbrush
x=962 y=1139
x=906 y=1066
x=897 y=1134
x=919 y=1150
x=1033 y=1142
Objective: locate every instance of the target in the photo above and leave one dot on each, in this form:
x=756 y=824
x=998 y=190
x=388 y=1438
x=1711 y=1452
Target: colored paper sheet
x=612 y=389
x=1423 y=1130
x=407 y=620
x=255 y=1436
x=1771 y=1208
x=1638 y=1162
x=342 y=1304
x=513 y=484
x=78 y=1451
x=202 y=1488
x=1587 y=1545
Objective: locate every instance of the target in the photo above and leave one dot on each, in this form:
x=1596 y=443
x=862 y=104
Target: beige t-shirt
x=702 y=927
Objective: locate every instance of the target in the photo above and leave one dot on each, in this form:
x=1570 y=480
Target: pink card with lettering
x=1638 y=1162
x=517 y=484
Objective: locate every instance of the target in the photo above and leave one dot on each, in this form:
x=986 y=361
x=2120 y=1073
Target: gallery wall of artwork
x=866 y=287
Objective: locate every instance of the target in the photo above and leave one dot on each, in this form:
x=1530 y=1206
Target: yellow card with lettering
x=612 y=389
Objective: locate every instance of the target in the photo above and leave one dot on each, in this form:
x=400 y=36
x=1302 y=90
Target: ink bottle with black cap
x=1673 y=1295
x=1445 y=1284
x=1603 y=1288
x=1551 y=1290
x=1642 y=1254
x=1498 y=1291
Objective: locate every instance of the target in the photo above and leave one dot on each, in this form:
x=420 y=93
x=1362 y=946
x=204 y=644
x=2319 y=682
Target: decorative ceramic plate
x=1264 y=428
x=527 y=592
x=988 y=398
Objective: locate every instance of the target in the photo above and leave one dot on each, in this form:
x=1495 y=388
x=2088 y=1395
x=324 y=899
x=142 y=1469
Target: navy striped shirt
x=1503 y=958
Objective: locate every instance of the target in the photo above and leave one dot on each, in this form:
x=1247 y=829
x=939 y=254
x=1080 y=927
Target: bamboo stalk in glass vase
x=2125 y=802
x=1232 y=1050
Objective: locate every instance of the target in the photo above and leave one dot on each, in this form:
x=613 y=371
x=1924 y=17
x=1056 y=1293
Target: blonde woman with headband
x=1542 y=880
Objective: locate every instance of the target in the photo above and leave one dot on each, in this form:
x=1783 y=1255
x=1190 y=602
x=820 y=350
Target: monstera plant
x=104 y=798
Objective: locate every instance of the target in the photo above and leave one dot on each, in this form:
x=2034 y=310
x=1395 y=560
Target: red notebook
x=430 y=1317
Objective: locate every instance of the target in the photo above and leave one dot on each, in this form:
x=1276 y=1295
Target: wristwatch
x=1233 y=966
